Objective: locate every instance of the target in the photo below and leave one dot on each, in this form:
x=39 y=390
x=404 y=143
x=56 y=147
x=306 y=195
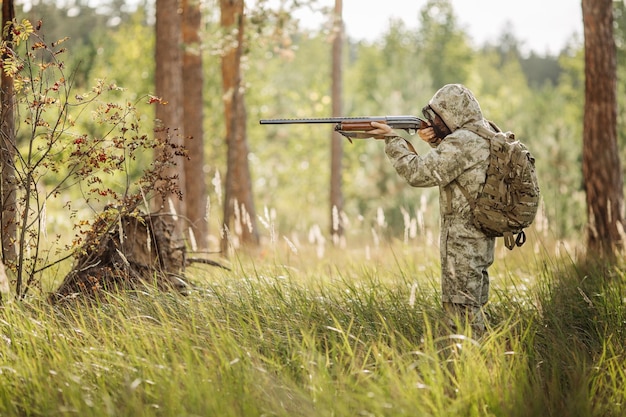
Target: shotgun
x=357 y=127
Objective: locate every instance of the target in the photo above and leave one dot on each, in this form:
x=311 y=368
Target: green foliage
x=541 y=70
x=444 y=46
x=118 y=52
x=85 y=28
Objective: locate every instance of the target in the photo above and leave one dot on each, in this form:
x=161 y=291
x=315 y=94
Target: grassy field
x=349 y=333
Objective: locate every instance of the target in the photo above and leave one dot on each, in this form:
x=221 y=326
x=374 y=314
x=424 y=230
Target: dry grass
x=353 y=332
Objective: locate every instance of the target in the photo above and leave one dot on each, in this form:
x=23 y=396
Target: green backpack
x=508 y=201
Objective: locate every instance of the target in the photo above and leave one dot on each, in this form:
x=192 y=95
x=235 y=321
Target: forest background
x=286 y=73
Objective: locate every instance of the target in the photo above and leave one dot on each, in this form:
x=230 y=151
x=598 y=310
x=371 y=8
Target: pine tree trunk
x=193 y=81
x=8 y=185
x=601 y=165
x=239 y=212
x=336 y=194
x=169 y=87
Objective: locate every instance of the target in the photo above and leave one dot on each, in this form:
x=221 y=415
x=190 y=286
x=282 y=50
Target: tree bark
x=193 y=83
x=8 y=185
x=239 y=212
x=601 y=165
x=336 y=194
x=169 y=87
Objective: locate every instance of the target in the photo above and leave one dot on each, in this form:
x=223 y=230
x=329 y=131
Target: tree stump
x=134 y=251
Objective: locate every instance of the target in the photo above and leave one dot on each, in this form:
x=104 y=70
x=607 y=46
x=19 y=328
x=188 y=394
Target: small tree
x=56 y=164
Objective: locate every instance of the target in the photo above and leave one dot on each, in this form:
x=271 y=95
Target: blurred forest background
x=287 y=73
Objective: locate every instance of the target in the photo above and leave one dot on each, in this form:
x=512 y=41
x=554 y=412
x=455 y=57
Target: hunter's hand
x=380 y=131
x=428 y=135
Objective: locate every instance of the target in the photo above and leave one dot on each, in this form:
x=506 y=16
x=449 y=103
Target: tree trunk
x=169 y=87
x=195 y=182
x=239 y=213
x=8 y=185
x=601 y=165
x=336 y=194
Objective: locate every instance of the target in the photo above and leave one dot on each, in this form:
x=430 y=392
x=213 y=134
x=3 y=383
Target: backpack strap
x=471 y=200
x=468 y=197
x=487 y=134
x=510 y=240
x=481 y=130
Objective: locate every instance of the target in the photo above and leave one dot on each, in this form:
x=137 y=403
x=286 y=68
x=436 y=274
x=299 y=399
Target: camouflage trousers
x=466 y=255
x=460 y=316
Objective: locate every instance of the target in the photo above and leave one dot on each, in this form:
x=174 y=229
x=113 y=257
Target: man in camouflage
x=458 y=156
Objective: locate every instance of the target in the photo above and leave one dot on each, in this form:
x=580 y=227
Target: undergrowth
x=322 y=340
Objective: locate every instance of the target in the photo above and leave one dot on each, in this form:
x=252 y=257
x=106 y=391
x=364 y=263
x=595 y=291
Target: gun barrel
x=320 y=120
x=384 y=119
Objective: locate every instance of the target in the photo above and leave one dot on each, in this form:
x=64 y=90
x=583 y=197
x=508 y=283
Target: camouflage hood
x=457 y=106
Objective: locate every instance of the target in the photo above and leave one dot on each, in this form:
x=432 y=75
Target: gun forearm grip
x=359 y=126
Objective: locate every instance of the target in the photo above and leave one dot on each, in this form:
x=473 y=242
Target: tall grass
x=336 y=337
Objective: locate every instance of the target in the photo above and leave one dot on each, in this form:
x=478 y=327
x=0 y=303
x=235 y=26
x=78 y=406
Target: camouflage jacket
x=461 y=157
